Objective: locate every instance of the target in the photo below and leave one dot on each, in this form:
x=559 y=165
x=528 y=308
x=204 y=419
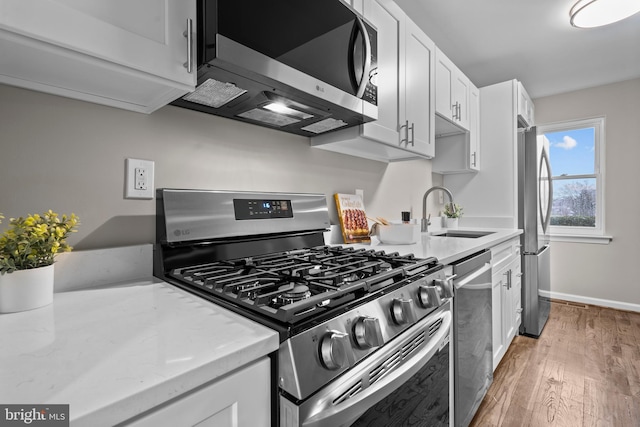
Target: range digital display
x=262 y=209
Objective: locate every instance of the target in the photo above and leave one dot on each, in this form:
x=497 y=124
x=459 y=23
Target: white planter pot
x=26 y=289
x=451 y=222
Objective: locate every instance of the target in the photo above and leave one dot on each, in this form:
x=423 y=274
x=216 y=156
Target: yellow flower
x=35 y=240
x=40 y=230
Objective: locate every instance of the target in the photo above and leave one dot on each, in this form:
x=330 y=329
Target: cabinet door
x=387 y=17
x=452 y=92
x=418 y=87
x=241 y=399
x=145 y=35
x=460 y=87
x=516 y=294
x=474 y=128
x=499 y=346
x=445 y=70
x=525 y=105
x=127 y=54
x=508 y=321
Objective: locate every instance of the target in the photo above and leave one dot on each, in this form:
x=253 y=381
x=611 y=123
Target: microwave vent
x=214 y=93
x=270 y=117
x=325 y=125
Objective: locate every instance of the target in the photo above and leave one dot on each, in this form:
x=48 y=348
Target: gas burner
x=353 y=276
x=291 y=294
x=315 y=271
x=249 y=285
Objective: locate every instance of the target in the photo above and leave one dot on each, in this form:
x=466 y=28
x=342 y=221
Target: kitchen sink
x=469 y=234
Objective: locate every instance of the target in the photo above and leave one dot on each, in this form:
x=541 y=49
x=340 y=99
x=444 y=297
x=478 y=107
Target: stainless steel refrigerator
x=535 y=197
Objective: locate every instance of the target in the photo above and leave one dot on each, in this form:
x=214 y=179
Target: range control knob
x=445 y=286
x=403 y=311
x=429 y=296
x=367 y=332
x=335 y=350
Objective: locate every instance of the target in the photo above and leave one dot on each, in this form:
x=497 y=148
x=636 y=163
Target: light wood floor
x=584 y=370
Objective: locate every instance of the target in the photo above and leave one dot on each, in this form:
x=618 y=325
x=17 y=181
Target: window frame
x=578 y=233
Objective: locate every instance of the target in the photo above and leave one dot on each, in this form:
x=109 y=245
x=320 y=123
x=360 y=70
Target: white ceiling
x=530 y=40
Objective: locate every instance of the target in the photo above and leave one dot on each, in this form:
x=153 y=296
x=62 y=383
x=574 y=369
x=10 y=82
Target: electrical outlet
x=360 y=193
x=138 y=179
x=441 y=197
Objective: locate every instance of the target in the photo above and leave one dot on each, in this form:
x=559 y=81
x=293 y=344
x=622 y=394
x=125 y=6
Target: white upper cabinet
x=125 y=54
x=458 y=152
x=405 y=125
x=416 y=82
x=525 y=107
x=452 y=94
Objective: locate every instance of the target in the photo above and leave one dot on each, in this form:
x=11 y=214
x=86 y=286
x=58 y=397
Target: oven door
x=405 y=382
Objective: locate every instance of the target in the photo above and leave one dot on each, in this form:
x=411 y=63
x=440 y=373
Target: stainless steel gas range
x=360 y=329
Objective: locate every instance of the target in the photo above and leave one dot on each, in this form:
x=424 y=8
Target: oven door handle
x=345 y=413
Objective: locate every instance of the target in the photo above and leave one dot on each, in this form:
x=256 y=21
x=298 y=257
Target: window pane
x=572 y=152
x=574 y=202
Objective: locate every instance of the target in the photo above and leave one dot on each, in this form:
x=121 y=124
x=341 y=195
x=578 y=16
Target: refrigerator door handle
x=546 y=216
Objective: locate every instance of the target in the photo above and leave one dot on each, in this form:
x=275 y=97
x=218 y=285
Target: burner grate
x=294 y=285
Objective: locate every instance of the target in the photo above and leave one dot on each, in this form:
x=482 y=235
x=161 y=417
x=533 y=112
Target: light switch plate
x=138 y=183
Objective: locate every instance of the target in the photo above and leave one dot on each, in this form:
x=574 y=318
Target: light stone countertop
x=112 y=352
x=446 y=249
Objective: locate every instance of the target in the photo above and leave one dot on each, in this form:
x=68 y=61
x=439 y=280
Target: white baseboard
x=592 y=301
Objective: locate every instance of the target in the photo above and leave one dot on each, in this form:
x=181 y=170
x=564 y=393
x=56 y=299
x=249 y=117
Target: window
x=576 y=154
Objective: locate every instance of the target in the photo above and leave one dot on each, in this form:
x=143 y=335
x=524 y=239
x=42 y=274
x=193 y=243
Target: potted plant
x=452 y=212
x=27 y=252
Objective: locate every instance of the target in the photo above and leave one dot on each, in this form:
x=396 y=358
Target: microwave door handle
x=367 y=58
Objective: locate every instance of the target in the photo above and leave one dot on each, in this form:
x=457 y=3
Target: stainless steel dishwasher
x=473 y=363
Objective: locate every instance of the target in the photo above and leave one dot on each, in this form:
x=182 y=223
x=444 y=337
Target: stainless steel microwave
x=304 y=67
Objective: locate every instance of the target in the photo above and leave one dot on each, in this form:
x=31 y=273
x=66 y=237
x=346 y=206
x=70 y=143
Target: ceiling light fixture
x=596 y=13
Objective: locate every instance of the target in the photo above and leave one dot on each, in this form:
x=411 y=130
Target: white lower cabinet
x=130 y=55
x=241 y=399
x=506 y=296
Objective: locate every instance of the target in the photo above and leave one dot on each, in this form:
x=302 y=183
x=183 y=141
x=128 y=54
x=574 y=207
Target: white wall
x=594 y=271
x=66 y=155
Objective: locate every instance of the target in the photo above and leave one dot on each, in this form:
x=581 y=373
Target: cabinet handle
x=454 y=107
x=473 y=163
x=406 y=132
x=508 y=274
x=412 y=134
x=188 y=34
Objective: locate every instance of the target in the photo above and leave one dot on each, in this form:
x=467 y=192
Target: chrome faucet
x=424 y=225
